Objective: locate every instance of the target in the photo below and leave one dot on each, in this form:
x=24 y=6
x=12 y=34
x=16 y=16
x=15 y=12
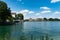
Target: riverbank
x=7 y=23
x=40 y=21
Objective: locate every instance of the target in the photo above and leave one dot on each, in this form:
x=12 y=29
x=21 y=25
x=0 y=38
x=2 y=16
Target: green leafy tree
x=51 y=19
x=45 y=19
x=20 y=16
x=5 y=12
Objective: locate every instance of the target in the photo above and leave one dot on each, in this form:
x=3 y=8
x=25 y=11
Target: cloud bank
x=45 y=8
x=25 y=12
x=54 y=1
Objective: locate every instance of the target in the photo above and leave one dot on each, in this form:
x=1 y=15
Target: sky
x=35 y=8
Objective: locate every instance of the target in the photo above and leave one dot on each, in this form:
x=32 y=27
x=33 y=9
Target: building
x=13 y=14
x=30 y=19
x=39 y=19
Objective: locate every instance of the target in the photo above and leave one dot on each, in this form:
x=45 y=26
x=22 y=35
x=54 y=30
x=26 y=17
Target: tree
x=5 y=12
x=45 y=19
x=20 y=16
x=3 y=6
x=51 y=19
x=56 y=19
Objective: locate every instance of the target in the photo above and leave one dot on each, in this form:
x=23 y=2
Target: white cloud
x=54 y=1
x=24 y=12
x=48 y=11
x=13 y=11
x=21 y=1
x=37 y=14
x=45 y=8
x=31 y=12
x=56 y=12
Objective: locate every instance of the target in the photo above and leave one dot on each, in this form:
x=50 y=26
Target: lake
x=45 y=30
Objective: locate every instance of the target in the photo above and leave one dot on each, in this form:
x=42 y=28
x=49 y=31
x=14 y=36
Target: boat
x=16 y=21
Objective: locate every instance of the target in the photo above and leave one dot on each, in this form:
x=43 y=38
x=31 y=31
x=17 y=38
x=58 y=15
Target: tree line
x=51 y=19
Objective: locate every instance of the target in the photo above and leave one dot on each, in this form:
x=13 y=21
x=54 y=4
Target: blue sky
x=35 y=8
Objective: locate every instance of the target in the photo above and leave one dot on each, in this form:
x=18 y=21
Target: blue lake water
x=31 y=31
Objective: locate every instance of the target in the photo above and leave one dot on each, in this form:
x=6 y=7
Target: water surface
x=31 y=31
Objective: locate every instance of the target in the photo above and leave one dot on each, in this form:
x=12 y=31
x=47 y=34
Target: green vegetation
x=51 y=19
x=43 y=19
x=5 y=12
x=20 y=16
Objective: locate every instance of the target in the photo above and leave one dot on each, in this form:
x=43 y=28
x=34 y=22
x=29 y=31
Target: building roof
x=13 y=13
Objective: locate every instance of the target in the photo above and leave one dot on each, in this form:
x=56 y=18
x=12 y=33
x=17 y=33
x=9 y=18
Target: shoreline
x=7 y=23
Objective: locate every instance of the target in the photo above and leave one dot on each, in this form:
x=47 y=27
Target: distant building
x=39 y=19
x=30 y=19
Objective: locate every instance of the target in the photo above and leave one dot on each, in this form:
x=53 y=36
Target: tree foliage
x=20 y=16
x=51 y=19
x=5 y=12
x=45 y=19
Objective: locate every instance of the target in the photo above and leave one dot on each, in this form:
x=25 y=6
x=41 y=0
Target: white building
x=13 y=14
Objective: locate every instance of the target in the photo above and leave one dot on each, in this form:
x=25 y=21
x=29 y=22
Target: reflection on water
x=11 y=32
x=4 y=33
x=31 y=31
